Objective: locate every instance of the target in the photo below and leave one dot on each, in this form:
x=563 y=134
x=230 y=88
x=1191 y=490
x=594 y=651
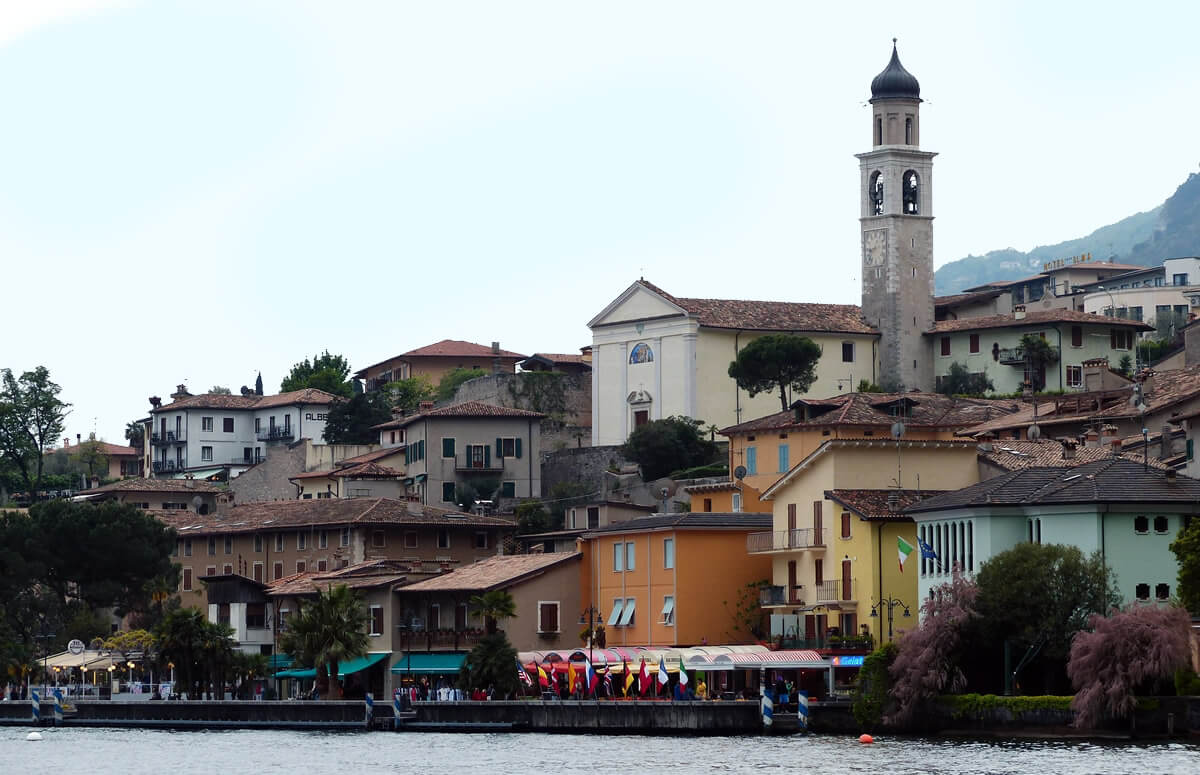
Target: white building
x=206 y=435
x=1163 y=296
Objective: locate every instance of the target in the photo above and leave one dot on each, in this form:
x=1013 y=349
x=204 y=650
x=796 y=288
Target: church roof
x=895 y=81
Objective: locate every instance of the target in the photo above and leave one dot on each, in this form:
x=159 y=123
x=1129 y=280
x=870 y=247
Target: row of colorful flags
x=586 y=678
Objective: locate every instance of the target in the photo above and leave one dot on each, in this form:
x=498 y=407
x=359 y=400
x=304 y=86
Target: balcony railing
x=778 y=596
x=167 y=466
x=275 y=434
x=835 y=591
x=1015 y=356
x=170 y=437
x=438 y=640
x=467 y=463
x=787 y=540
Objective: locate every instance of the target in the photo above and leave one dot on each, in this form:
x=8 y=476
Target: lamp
x=891 y=603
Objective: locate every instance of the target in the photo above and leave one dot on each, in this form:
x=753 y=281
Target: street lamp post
x=891 y=603
x=593 y=615
x=1112 y=313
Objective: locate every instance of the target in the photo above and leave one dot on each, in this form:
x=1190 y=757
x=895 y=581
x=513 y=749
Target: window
x=508 y=489
x=641 y=353
x=256 y=616
x=548 y=617
x=618 y=557
x=1162 y=591
x=258 y=572
x=1190 y=452
x=257 y=424
x=206 y=424
x=1142 y=592
x=378 y=541
x=258 y=544
x=187 y=547
x=783 y=458
x=751 y=460
x=1179 y=279
x=847 y=352
x=708 y=504
x=668 y=553
x=376 y=620
x=227 y=424
x=323 y=539
x=1135 y=313
x=1141 y=525
x=410 y=539
x=301 y=566
x=1120 y=339
x=279 y=542
x=630 y=556
x=845 y=524
x=345 y=537
x=736 y=505
x=212 y=546
x=444 y=538
x=668 y=610
x=593 y=517
x=974 y=342
x=322 y=566
x=1160 y=525
x=945 y=345
x=615 y=615
x=206 y=454
x=187 y=580
x=509 y=447
x=301 y=540
x=481 y=539
x=1074 y=376
x=277 y=571
x=227 y=569
x=447 y=492
x=211 y=570
x=447 y=447
x=908 y=131
x=627 y=612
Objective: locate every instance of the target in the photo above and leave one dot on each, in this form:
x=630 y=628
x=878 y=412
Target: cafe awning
x=344 y=668
x=429 y=663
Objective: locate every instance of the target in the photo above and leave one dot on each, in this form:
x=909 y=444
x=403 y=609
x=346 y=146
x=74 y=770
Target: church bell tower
x=897 y=230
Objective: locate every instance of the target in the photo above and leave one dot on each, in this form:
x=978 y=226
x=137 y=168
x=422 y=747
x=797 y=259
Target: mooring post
x=58 y=707
x=396 y=709
x=35 y=703
x=768 y=707
x=370 y=707
x=802 y=708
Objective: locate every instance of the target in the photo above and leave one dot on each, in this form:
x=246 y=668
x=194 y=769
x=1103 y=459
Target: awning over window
x=615 y=616
x=668 y=608
x=627 y=612
x=205 y=474
x=421 y=477
x=279 y=661
x=429 y=663
x=344 y=669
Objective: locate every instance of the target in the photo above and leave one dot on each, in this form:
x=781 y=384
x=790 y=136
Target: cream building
x=655 y=355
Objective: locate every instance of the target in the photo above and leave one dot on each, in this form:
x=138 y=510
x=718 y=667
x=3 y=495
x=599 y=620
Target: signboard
x=847 y=661
x=75 y=647
x=1059 y=263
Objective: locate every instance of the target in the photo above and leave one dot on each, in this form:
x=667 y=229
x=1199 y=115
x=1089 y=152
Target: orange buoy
x=865 y=739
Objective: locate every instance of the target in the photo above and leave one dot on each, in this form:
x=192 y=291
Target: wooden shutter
x=487 y=457
x=945 y=345
x=791 y=516
x=818 y=537
x=810 y=627
x=549 y=617
x=517 y=443
x=499 y=449
x=847 y=593
x=792 y=596
x=845 y=524
x=819 y=571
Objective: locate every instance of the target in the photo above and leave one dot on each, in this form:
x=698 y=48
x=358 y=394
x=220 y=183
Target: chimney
x=1091 y=438
x=1068 y=449
x=425 y=406
x=181 y=391
x=1019 y=312
x=78 y=439
x=1116 y=446
x=893 y=501
x=496 y=358
x=1170 y=475
x=155 y=401
x=1165 y=446
x=66 y=441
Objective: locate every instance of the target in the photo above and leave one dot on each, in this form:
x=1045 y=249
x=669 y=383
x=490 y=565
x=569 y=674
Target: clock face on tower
x=874 y=247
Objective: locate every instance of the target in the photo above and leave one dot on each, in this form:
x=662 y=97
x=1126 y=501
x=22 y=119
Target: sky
x=194 y=192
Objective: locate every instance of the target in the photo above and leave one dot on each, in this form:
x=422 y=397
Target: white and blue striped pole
x=802 y=708
x=58 y=706
x=370 y=703
x=396 y=709
x=35 y=702
x=768 y=707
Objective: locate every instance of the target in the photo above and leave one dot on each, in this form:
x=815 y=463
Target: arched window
x=641 y=354
x=875 y=192
x=912 y=193
x=908 y=131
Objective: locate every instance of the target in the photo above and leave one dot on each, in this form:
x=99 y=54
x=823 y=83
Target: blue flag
x=927 y=552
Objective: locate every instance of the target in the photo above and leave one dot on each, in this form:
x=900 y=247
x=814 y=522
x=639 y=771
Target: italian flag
x=904 y=549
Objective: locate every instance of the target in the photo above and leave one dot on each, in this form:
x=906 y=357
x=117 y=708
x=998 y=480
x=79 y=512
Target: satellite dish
x=1034 y=432
x=897 y=430
x=739 y=473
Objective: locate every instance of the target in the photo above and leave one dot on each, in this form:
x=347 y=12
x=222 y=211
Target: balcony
x=167 y=466
x=787 y=540
x=170 y=437
x=778 y=597
x=469 y=464
x=442 y=640
x=275 y=434
x=835 y=591
x=1015 y=356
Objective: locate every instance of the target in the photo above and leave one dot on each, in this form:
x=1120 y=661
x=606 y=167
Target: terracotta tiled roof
x=881 y=505
x=1016 y=455
x=357 y=471
x=771 y=315
x=573 y=358
x=1035 y=318
x=959 y=298
x=275 y=515
x=111 y=450
x=1114 y=480
x=877 y=409
x=217 y=401
x=159 y=485
x=456 y=348
x=493 y=573
x=696 y=489
x=370 y=457
x=465 y=409
x=694 y=520
x=363 y=575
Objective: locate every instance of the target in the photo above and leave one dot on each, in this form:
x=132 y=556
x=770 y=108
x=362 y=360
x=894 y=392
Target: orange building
x=767 y=448
x=674 y=579
x=434 y=361
x=731 y=496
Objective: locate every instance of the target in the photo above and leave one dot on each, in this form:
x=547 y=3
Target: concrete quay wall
x=581 y=716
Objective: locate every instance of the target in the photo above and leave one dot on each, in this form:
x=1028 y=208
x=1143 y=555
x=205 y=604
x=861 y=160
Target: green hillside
x=1172 y=229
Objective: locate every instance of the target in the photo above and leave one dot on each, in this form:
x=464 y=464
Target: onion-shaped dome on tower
x=895 y=82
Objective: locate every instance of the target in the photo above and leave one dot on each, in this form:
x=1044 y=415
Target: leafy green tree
x=350 y=422
x=532 y=517
x=466 y=493
x=218 y=390
x=135 y=434
x=329 y=629
x=663 y=446
x=407 y=394
x=1186 y=547
x=448 y=385
x=872 y=686
x=1125 y=366
x=492 y=663
x=564 y=495
x=202 y=651
x=783 y=361
x=959 y=381
x=492 y=606
x=1038 y=355
x=89 y=455
x=867 y=386
x=258 y=386
x=32 y=418
x=324 y=372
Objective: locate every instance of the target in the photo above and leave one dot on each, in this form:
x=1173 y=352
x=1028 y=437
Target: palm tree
x=328 y=630
x=493 y=605
x=134 y=433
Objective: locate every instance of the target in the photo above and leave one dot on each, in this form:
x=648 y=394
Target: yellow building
x=834 y=549
x=767 y=447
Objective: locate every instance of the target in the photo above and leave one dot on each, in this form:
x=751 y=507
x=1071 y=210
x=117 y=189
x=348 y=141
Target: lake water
x=133 y=752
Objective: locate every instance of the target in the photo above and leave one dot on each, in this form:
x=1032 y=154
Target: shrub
x=871 y=687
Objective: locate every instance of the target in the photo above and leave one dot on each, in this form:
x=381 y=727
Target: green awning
x=408 y=481
x=429 y=663
x=279 y=661
x=206 y=473
x=344 y=669
x=422 y=477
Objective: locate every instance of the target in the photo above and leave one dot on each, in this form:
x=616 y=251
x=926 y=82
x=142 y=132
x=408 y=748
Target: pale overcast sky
x=193 y=192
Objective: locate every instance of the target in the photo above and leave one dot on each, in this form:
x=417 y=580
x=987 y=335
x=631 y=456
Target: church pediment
x=637 y=303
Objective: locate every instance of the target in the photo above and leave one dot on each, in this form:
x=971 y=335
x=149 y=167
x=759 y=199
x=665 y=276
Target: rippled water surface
x=132 y=752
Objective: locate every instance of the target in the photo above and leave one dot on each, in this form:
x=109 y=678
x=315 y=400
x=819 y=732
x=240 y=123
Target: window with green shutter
x=421 y=449
x=518 y=442
x=499 y=448
x=1189 y=449
x=447 y=447
x=448 y=492
x=508 y=490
